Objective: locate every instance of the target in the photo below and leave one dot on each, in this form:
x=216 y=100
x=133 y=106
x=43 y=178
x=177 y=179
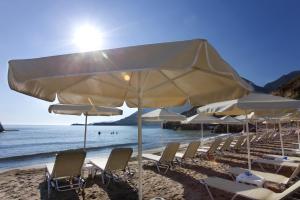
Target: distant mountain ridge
x=274 y=85
x=131 y=120
x=291 y=89
x=287 y=85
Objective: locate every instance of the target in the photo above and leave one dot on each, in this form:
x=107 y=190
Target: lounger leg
x=208 y=190
x=166 y=170
x=49 y=187
x=278 y=169
x=157 y=167
x=234 y=196
x=102 y=177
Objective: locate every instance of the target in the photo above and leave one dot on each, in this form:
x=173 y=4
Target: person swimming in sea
x=99 y=132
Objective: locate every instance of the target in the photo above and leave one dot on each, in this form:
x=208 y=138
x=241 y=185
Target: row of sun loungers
x=64 y=178
x=65 y=173
x=254 y=192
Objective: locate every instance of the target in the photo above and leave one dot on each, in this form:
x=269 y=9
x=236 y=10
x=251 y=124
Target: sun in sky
x=87 y=38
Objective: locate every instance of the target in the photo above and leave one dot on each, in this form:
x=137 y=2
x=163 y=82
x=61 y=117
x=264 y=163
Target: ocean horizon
x=38 y=144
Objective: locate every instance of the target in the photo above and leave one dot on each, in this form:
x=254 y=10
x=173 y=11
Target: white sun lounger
x=190 y=152
x=206 y=152
x=117 y=160
x=167 y=157
x=275 y=178
x=65 y=173
x=246 y=191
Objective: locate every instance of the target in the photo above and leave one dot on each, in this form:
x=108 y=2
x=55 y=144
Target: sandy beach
x=179 y=183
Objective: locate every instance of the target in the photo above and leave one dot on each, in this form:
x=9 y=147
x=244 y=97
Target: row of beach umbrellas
x=146 y=76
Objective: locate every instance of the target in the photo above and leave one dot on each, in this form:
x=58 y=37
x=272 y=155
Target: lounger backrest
x=118 y=159
x=191 y=150
x=239 y=142
x=214 y=146
x=68 y=164
x=226 y=144
x=254 y=138
x=250 y=138
x=285 y=193
x=259 y=138
x=169 y=153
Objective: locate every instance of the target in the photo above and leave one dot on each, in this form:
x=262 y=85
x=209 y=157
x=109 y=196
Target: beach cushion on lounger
x=235 y=171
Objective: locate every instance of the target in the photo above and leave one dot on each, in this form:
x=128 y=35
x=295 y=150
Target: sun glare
x=87 y=38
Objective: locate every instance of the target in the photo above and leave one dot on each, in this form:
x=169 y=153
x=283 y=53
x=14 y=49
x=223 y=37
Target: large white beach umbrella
x=145 y=76
x=251 y=117
x=162 y=115
x=229 y=120
x=201 y=119
x=86 y=110
x=260 y=104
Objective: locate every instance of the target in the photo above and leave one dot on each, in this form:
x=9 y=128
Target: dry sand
x=180 y=183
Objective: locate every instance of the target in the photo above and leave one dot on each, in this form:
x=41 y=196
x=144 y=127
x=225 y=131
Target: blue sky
x=259 y=38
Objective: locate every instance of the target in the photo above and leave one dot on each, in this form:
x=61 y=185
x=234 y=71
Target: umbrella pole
x=248 y=143
x=227 y=128
x=256 y=127
x=298 y=132
x=201 y=134
x=140 y=191
x=281 y=141
x=85 y=129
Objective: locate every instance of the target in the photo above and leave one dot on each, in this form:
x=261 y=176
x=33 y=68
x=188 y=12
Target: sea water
x=35 y=145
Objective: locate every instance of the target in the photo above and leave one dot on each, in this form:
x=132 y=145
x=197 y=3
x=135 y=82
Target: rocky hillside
x=1 y=128
x=274 y=85
x=291 y=89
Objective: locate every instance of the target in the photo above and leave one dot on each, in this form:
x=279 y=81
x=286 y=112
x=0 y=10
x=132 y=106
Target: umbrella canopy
x=163 y=115
x=249 y=116
x=171 y=74
x=230 y=120
x=201 y=119
x=155 y=75
x=261 y=104
x=88 y=110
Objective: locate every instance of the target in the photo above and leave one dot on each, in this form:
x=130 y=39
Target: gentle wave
x=40 y=144
x=52 y=153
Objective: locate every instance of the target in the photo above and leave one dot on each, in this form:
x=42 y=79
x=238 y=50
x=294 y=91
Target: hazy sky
x=260 y=39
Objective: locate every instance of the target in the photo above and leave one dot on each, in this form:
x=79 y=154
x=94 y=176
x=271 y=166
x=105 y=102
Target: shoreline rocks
x=1 y=128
